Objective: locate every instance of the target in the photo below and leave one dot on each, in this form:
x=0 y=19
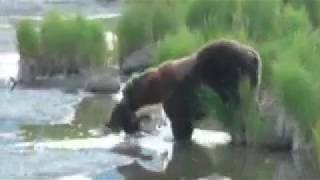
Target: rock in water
x=105 y=81
x=138 y=60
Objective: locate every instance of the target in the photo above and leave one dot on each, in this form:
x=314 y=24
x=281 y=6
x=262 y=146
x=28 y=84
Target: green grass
x=28 y=39
x=236 y=118
x=211 y=15
x=261 y=18
x=294 y=19
x=145 y=21
x=294 y=23
x=295 y=74
x=249 y=113
x=313 y=9
x=177 y=45
x=63 y=44
x=132 y=29
x=217 y=109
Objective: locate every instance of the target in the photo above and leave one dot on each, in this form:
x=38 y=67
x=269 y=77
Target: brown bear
x=219 y=65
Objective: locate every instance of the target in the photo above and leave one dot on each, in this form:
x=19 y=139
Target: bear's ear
x=251 y=66
x=254 y=70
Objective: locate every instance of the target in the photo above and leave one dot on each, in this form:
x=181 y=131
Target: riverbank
x=103 y=81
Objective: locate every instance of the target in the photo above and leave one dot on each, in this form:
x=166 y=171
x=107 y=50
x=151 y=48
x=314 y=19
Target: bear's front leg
x=178 y=111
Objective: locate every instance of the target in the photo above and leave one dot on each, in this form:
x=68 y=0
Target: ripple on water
x=46 y=164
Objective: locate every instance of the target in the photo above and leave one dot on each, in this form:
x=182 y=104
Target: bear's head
x=123 y=117
x=222 y=66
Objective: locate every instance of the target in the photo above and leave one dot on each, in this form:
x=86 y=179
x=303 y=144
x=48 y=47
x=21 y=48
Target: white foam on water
x=75 y=177
x=106 y=142
x=210 y=138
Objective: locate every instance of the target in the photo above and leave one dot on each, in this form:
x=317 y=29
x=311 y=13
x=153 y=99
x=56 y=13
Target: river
x=51 y=134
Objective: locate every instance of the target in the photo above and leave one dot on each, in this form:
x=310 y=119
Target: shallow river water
x=49 y=134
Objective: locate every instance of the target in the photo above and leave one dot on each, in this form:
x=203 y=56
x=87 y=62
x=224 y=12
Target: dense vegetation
x=285 y=32
x=144 y=22
x=62 y=44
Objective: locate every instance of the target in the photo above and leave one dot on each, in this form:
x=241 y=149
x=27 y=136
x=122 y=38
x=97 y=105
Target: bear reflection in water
x=189 y=161
x=194 y=161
